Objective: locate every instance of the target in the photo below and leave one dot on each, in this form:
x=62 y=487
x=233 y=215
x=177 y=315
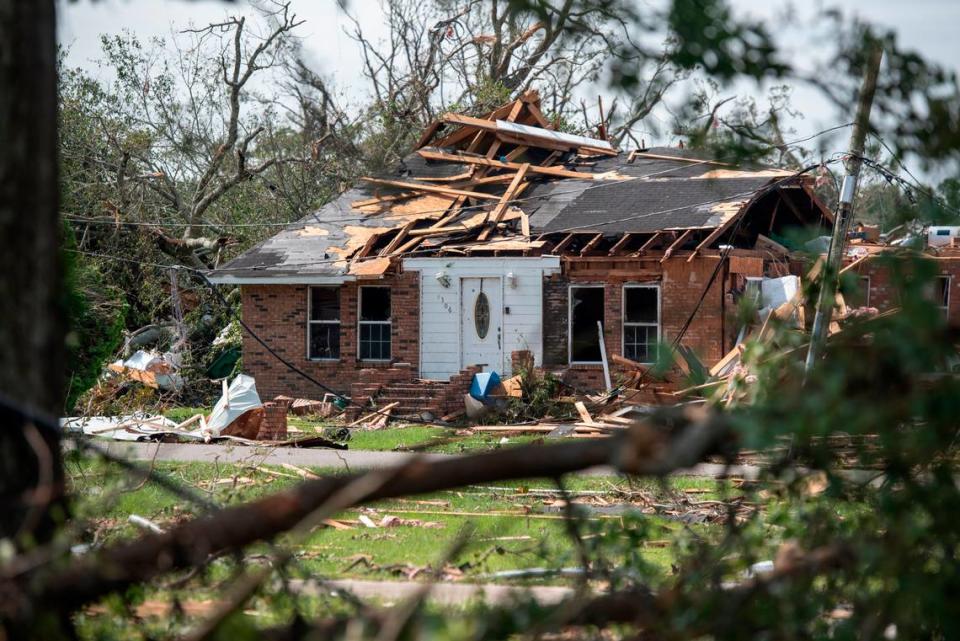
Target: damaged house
x=501 y=239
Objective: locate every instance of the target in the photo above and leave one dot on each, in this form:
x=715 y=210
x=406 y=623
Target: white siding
x=440 y=308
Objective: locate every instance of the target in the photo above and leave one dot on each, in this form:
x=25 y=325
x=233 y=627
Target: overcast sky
x=929 y=26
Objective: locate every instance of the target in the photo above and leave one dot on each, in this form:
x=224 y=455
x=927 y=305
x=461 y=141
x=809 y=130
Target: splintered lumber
x=435 y=189
x=525 y=225
x=380 y=413
x=584 y=414
x=431 y=154
x=627 y=363
x=508 y=196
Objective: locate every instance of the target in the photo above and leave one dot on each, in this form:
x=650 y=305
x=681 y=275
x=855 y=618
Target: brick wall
x=884 y=295
x=278 y=314
x=681 y=284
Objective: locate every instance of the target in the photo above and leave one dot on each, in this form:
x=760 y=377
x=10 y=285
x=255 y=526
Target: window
x=375 y=326
x=323 y=323
x=941 y=294
x=641 y=322
x=586 y=310
x=861 y=297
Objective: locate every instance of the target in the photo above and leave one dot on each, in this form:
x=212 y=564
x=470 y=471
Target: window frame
x=570 y=289
x=945 y=307
x=623 y=317
x=311 y=322
x=361 y=323
x=866 y=301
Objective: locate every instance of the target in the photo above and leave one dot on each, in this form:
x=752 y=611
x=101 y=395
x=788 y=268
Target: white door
x=481 y=323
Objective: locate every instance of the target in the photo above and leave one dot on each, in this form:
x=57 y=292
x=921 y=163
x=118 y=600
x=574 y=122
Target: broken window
x=641 y=322
x=323 y=324
x=375 y=325
x=586 y=310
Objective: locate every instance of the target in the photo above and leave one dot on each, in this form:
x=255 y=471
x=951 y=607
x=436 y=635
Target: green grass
x=108 y=499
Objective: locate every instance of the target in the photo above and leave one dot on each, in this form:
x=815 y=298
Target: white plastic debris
x=241 y=396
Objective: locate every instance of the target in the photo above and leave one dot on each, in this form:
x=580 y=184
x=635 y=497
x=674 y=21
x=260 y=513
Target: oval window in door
x=481 y=315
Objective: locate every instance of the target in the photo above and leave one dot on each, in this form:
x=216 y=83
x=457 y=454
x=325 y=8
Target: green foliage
x=96 y=313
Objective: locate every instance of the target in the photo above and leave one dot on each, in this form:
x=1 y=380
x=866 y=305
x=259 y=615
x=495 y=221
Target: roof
x=457 y=198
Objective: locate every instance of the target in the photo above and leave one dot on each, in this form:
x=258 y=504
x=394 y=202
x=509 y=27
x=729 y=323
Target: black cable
x=293 y=368
x=724 y=254
x=50 y=425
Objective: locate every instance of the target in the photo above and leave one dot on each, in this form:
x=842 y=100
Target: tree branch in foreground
x=671 y=440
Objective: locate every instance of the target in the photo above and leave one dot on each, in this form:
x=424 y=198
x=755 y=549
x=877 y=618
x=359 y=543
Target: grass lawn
x=512 y=524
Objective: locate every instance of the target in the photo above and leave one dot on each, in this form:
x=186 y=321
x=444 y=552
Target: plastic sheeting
x=240 y=397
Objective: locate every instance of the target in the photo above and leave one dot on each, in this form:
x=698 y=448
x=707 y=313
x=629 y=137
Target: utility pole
x=844 y=215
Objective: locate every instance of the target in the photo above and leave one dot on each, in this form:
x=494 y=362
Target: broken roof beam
x=559 y=172
x=715 y=234
x=675 y=245
x=433 y=189
x=505 y=200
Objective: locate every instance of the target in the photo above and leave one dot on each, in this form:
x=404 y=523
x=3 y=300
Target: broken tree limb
x=643 y=450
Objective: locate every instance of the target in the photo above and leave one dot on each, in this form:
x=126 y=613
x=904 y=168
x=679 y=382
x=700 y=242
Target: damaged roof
x=486 y=182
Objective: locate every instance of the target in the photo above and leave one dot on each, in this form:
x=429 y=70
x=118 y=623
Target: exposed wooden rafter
x=593 y=242
x=505 y=200
x=650 y=241
x=620 y=244
x=678 y=243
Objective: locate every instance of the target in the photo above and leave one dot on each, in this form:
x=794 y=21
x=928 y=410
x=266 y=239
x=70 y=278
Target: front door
x=481 y=317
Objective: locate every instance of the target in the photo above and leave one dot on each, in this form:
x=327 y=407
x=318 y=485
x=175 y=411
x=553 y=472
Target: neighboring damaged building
x=500 y=235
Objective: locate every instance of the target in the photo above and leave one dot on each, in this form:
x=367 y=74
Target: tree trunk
x=32 y=325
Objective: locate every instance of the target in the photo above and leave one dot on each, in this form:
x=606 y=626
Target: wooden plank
x=564 y=243
x=649 y=243
x=534 y=110
x=593 y=242
x=584 y=414
x=694 y=161
x=559 y=172
x=516 y=153
x=434 y=189
x=620 y=244
x=397 y=239
x=505 y=200
x=524 y=224
x=469 y=121
x=716 y=233
x=428 y=134
x=675 y=244
x=407 y=246
x=367 y=246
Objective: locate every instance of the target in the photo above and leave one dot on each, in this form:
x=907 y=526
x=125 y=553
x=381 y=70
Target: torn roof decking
x=642 y=192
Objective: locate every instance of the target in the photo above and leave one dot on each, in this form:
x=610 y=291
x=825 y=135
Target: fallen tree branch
x=674 y=439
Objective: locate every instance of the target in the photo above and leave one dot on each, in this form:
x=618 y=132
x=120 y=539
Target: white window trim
x=946 y=307
x=321 y=322
x=570 y=289
x=361 y=323
x=623 y=315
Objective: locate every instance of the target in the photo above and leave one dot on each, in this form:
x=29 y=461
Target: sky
x=928 y=26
